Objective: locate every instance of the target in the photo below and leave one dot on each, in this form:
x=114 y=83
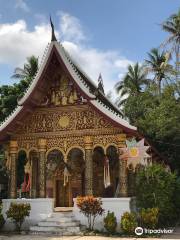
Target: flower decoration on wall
x=136 y=153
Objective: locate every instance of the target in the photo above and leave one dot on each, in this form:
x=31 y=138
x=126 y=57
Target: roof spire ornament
x=53 y=36
x=100 y=84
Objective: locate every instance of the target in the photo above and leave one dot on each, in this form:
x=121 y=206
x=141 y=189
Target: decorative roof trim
x=112 y=115
x=72 y=71
x=74 y=62
x=11 y=117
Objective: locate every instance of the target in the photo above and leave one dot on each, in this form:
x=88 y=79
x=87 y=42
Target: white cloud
x=21 y=4
x=17 y=43
x=70 y=27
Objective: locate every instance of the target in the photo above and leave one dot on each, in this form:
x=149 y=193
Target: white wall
x=40 y=209
x=116 y=205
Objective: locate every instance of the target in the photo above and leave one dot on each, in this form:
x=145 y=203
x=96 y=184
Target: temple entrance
x=54 y=177
x=65 y=180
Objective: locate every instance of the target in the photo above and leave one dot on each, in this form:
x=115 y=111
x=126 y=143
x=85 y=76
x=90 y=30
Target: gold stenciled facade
x=60 y=129
x=65 y=128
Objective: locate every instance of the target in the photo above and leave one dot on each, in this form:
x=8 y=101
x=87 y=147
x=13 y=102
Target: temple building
x=65 y=138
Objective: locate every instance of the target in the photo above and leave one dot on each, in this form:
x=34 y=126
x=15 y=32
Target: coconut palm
x=28 y=71
x=132 y=83
x=158 y=63
x=172 y=26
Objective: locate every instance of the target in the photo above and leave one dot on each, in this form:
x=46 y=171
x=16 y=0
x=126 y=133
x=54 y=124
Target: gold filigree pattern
x=53 y=121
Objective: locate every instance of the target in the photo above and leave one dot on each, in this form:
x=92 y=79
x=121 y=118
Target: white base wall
x=41 y=208
x=116 y=205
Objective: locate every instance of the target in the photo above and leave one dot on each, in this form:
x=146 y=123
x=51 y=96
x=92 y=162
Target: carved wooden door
x=62 y=194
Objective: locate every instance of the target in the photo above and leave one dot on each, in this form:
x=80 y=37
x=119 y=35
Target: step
x=52 y=229
x=62 y=214
x=58 y=224
x=60 y=219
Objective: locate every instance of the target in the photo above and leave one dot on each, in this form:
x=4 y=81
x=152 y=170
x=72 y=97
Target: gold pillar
x=13 y=170
x=88 y=143
x=42 y=167
x=123 y=177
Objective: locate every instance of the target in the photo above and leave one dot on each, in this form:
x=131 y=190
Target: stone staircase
x=59 y=223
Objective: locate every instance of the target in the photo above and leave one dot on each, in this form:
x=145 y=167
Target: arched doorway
x=113 y=156
x=76 y=166
x=21 y=162
x=99 y=159
x=98 y=171
x=54 y=177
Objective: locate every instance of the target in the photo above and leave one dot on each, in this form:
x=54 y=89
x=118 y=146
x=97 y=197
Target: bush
x=155 y=188
x=18 y=212
x=110 y=222
x=128 y=222
x=148 y=218
x=2 y=221
x=91 y=207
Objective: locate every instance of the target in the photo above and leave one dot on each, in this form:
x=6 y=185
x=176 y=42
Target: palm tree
x=158 y=63
x=172 y=26
x=29 y=70
x=132 y=83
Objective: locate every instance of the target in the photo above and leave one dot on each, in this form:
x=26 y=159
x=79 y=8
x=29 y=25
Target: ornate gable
x=61 y=83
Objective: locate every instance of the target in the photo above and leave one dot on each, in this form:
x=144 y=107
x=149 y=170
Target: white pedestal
x=41 y=208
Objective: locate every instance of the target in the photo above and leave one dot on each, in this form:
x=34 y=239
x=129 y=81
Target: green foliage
x=155 y=188
x=148 y=218
x=91 y=207
x=18 y=213
x=157 y=63
x=128 y=222
x=2 y=221
x=132 y=83
x=172 y=27
x=158 y=118
x=9 y=94
x=110 y=222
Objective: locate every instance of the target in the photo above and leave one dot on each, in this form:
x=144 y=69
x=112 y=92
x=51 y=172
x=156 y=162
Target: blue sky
x=102 y=35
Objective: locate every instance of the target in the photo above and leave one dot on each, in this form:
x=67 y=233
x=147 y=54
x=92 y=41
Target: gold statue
x=53 y=97
x=71 y=99
x=64 y=100
x=57 y=99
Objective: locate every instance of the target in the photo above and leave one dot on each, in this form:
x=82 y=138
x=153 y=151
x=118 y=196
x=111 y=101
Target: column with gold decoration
x=13 y=169
x=42 y=167
x=123 y=177
x=88 y=143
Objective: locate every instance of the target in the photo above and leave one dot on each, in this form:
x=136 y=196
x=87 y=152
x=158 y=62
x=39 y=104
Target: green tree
x=172 y=26
x=132 y=83
x=158 y=63
x=159 y=121
x=156 y=187
x=9 y=94
x=28 y=71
